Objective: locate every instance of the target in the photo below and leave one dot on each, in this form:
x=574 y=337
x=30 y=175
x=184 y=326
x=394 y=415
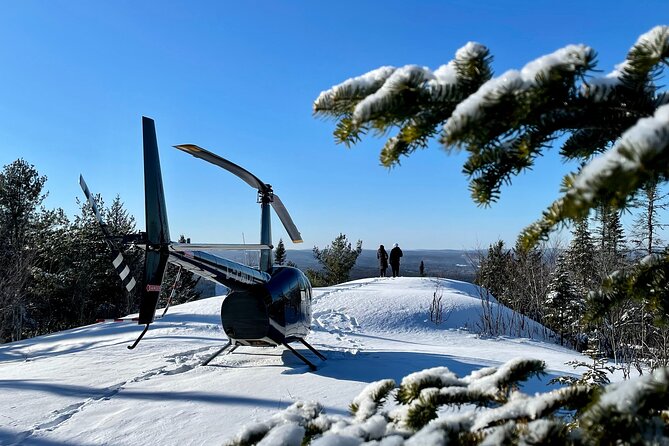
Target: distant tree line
x=56 y=272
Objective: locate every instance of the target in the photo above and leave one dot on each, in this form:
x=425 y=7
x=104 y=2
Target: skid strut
x=305 y=360
x=313 y=350
x=221 y=350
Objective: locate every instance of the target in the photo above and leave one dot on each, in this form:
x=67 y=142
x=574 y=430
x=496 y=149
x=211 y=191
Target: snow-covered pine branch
x=626 y=412
x=341 y=98
x=638 y=68
x=641 y=154
x=509 y=87
x=412 y=98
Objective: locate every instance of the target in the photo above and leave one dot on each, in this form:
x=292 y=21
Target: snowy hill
x=84 y=387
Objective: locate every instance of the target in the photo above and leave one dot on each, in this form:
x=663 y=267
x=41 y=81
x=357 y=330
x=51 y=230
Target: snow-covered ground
x=84 y=387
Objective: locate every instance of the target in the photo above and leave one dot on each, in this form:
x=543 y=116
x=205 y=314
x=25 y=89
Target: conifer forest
x=55 y=270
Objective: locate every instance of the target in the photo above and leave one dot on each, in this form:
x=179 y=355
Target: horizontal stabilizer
x=221 y=270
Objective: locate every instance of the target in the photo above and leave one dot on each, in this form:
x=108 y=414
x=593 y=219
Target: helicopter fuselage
x=269 y=314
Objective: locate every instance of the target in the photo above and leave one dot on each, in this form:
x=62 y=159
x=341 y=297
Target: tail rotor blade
x=93 y=204
x=284 y=216
x=123 y=270
x=119 y=262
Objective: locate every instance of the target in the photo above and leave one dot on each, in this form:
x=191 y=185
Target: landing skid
x=130 y=347
x=292 y=350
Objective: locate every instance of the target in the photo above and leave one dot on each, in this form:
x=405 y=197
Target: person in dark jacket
x=382 y=255
x=395 y=255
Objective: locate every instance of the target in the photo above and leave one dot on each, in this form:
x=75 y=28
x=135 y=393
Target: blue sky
x=239 y=79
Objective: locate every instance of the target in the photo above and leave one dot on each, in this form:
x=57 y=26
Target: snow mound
x=402 y=305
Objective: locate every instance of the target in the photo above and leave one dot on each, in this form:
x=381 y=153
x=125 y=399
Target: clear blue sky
x=239 y=79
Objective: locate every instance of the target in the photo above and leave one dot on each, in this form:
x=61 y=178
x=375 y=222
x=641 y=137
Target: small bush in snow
x=437 y=307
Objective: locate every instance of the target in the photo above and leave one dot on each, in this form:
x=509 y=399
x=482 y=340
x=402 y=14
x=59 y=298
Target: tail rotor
x=119 y=262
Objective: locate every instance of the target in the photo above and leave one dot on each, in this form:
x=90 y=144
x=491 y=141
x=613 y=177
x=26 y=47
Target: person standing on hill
x=382 y=255
x=395 y=255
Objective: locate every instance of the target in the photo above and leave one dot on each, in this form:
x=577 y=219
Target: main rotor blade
x=251 y=180
x=284 y=216
x=248 y=177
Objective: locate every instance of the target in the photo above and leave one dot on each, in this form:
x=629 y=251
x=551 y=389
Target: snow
x=407 y=77
x=380 y=85
x=362 y=85
x=287 y=435
x=84 y=387
x=600 y=88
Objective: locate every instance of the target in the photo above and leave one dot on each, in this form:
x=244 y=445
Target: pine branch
x=641 y=155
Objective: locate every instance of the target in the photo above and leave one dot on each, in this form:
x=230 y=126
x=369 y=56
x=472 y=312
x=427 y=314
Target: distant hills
x=447 y=263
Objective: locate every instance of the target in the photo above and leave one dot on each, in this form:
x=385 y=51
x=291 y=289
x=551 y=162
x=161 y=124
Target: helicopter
x=267 y=306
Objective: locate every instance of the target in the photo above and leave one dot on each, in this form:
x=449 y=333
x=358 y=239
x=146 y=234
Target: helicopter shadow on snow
x=377 y=365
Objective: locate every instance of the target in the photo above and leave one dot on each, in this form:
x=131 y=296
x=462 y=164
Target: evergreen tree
x=644 y=234
x=21 y=193
x=53 y=275
x=98 y=291
x=564 y=303
x=610 y=253
x=580 y=257
x=336 y=260
x=493 y=271
x=280 y=253
x=119 y=223
x=421 y=269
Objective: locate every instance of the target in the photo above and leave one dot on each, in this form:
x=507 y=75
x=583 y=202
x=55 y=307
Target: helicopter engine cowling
x=273 y=313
